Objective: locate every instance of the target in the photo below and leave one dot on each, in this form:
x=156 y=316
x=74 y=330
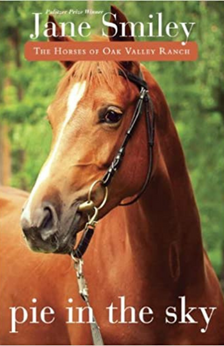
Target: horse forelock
x=103 y=73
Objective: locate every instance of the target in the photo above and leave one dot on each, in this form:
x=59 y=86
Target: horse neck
x=163 y=227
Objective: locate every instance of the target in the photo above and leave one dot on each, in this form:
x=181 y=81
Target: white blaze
x=74 y=97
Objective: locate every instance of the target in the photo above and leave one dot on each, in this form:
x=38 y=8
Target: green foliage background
x=194 y=91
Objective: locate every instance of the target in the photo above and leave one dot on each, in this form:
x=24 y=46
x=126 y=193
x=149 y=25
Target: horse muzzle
x=44 y=232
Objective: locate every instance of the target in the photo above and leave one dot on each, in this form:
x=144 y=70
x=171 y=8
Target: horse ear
x=54 y=28
x=117 y=17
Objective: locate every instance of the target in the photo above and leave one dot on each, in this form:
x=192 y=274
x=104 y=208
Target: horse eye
x=112 y=117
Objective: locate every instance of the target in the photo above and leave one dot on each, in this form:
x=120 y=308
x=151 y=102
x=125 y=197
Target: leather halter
x=144 y=101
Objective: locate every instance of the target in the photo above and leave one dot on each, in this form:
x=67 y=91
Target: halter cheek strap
x=144 y=102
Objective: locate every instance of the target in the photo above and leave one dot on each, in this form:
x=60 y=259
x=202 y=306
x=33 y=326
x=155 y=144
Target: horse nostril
x=47 y=219
x=42 y=223
x=49 y=222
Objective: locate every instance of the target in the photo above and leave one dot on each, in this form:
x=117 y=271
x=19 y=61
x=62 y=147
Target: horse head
x=89 y=117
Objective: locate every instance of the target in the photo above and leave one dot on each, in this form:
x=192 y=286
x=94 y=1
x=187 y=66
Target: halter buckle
x=89 y=205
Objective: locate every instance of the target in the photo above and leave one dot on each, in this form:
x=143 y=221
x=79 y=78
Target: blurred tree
x=5 y=155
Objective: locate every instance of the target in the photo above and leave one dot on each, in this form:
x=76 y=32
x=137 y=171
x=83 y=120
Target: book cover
x=111 y=173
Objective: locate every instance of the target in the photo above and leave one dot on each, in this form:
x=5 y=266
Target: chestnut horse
x=150 y=252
